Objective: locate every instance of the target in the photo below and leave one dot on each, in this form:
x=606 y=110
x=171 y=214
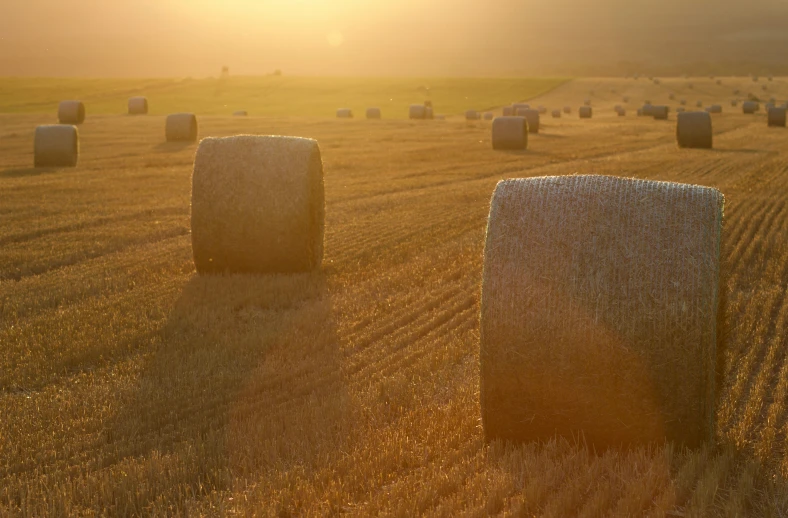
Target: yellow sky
x=381 y=37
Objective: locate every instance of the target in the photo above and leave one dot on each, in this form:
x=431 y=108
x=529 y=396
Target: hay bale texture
x=373 y=113
x=56 y=145
x=510 y=133
x=71 y=112
x=776 y=117
x=693 y=130
x=138 y=106
x=598 y=312
x=257 y=205
x=585 y=112
x=181 y=127
x=532 y=117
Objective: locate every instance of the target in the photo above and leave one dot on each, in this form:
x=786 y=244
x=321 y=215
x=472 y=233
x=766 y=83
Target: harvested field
x=130 y=385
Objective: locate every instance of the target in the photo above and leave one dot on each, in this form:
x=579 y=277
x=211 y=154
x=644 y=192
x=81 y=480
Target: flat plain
x=131 y=386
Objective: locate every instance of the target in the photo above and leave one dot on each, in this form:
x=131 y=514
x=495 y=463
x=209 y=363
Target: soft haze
x=391 y=37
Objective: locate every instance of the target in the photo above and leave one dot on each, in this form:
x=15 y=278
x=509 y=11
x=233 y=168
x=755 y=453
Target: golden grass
x=128 y=385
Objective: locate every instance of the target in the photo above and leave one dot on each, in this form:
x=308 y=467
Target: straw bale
x=71 y=112
x=532 y=116
x=694 y=130
x=56 y=145
x=510 y=133
x=556 y=114
x=659 y=112
x=598 y=311
x=488 y=116
x=344 y=113
x=241 y=113
x=138 y=106
x=373 y=113
x=257 y=205
x=585 y=112
x=776 y=117
x=472 y=115
x=749 y=107
x=181 y=127
x=567 y=109
x=417 y=111
x=508 y=111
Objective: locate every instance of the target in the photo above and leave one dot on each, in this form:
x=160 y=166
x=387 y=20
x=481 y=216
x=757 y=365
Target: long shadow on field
x=28 y=171
x=173 y=147
x=246 y=380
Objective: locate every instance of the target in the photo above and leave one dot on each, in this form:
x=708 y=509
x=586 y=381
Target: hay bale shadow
x=28 y=171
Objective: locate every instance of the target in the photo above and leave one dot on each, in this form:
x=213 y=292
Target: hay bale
x=719 y=82
x=542 y=110
x=417 y=111
x=510 y=133
x=715 y=108
x=691 y=86
x=647 y=110
x=660 y=113
x=640 y=112
x=428 y=113
x=625 y=99
x=471 y=115
x=749 y=107
x=567 y=109
x=428 y=104
x=622 y=112
x=488 y=116
x=599 y=299
x=520 y=106
x=257 y=205
x=344 y=113
x=699 y=104
x=508 y=111
x=734 y=103
x=776 y=117
x=672 y=96
x=374 y=113
x=71 y=112
x=138 y=106
x=56 y=145
x=683 y=102
x=616 y=108
x=181 y=127
x=647 y=101
x=556 y=114
x=241 y=113
x=693 y=130
x=585 y=112
x=532 y=117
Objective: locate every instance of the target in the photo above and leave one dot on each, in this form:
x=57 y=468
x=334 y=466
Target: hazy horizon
x=165 y=38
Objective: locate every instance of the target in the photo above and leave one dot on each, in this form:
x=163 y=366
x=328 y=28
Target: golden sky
x=351 y=37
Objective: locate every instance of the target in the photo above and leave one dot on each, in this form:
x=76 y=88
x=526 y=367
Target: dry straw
x=56 y=145
x=344 y=113
x=693 y=130
x=510 y=133
x=71 y=112
x=257 y=205
x=181 y=127
x=373 y=113
x=598 y=312
x=585 y=112
x=776 y=117
x=138 y=106
x=532 y=117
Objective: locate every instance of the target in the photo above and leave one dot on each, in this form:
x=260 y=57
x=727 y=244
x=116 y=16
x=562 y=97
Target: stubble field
x=129 y=385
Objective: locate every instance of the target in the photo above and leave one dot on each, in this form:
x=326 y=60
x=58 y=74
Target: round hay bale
x=660 y=113
x=556 y=114
x=542 y=110
x=417 y=111
x=567 y=109
x=749 y=107
x=734 y=103
x=532 y=117
x=520 y=106
x=616 y=108
x=776 y=117
x=344 y=113
x=181 y=127
x=428 y=114
x=691 y=86
x=672 y=96
x=765 y=88
x=719 y=82
x=622 y=112
x=373 y=113
x=770 y=78
x=471 y=115
x=699 y=104
x=488 y=116
x=138 y=106
x=71 y=112
x=693 y=130
x=580 y=331
x=683 y=102
x=257 y=205
x=508 y=111
x=648 y=110
x=647 y=101
x=56 y=145
x=241 y=113
x=585 y=112
x=510 y=133
x=715 y=108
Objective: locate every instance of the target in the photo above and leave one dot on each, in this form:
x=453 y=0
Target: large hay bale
x=532 y=116
x=659 y=112
x=749 y=107
x=138 y=106
x=472 y=115
x=71 y=112
x=625 y=99
x=344 y=113
x=56 y=145
x=585 y=112
x=556 y=114
x=373 y=113
x=181 y=127
x=508 y=111
x=417 y=111
x=776 y=117
x=510 y=133
x=598 y=312
x=693 y=130
x=257 y=205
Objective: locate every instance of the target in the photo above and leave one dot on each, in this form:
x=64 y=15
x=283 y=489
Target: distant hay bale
x=616 y=108
x=417 y=111
x=659 y=112
x=693 y=130
x=647 y=101
x=56 y=145
x=585 y=112
x=241 y=113
x=556 y=114
x=719 y=82
x=715 y=108
x=344 y=113
x=373 y=113
x=488 y=116
x=672 y=96
x=428 y=104
x=691 y=86
x=508 y=111
x=776 y=117
x=510 y=133
x=532 y=117
x=648 y=110
x=520 y=106
x=257 y=205
x=542 y=110
x=699 y=104
x=749 y=107
x=181 y=127
x=428 y=114
x=567 y=109
x=138 y=106
x=587 y=102
x=625 y=99
x=622 y=112
x=683 y=102
x=471 y=115
x=71 y=112
x=580 y=331
x=734 y=103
